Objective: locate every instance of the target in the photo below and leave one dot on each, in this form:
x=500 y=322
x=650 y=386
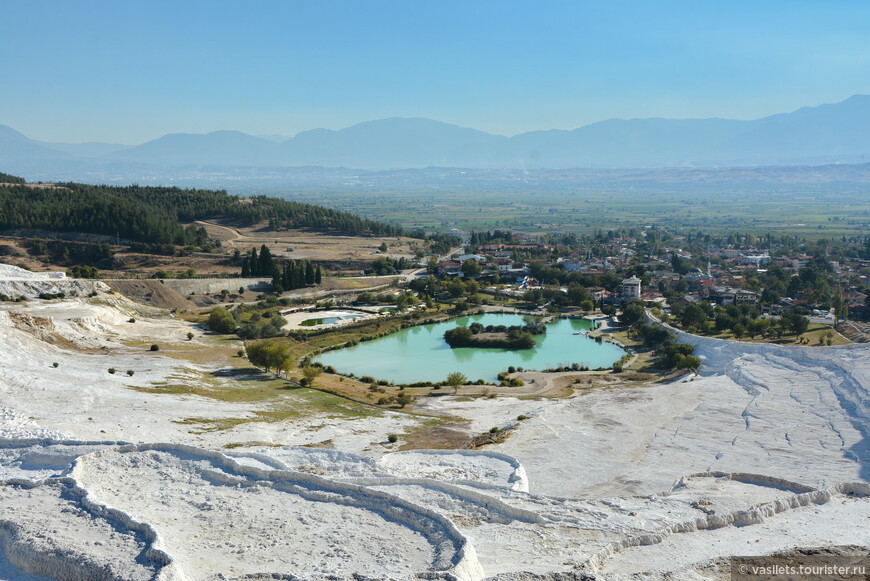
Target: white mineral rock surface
x=765 y=451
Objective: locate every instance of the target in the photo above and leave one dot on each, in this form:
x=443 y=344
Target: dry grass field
x=307 y=244
x=346 y=254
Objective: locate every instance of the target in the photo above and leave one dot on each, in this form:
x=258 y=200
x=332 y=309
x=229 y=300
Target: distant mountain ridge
x=835 y=133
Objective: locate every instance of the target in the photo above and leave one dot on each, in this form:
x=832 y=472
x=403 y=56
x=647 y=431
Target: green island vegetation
x=496 y=336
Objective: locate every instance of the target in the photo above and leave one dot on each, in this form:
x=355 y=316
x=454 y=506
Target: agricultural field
x=803 y=211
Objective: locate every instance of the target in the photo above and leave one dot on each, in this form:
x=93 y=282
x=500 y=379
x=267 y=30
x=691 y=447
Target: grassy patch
x=437 y=434
x=814 y=332
x=355 y=283
x=304 y=403
x=251 y=444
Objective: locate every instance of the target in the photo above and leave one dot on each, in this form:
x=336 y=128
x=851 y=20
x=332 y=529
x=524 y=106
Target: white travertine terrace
x=766 y=450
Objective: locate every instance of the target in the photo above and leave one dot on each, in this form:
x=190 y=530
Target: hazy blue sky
x=128 y=72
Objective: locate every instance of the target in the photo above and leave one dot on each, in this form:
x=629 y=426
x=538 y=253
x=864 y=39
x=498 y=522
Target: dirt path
x=231 y=234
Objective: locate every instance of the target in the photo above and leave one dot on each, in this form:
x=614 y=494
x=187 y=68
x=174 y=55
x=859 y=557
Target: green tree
x=632 y=314
x=694 y=315
x=838 y=305
x=254 y=262
x=577 y=294
x=220 y=320
x=471 y=268
x=455 y=288
x=455 y=380
x=311 y=373
x=269 y=355
x=403 y=301
x=794 y=322
x=267 y=265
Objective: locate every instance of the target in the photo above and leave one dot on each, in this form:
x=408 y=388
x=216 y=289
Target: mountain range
x=835 y=133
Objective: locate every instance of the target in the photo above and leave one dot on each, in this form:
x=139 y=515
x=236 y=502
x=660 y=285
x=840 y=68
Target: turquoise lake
x=420 y=353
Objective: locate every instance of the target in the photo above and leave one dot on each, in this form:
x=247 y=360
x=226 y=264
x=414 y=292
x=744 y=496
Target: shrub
x=131 y=320
x=392 y=438
x=55 y=364
x=130 y=372
x=50 y=296
x=155 y=347
x=84 y=272
x=112 y=370
x=404 y=398
x=522 y=417
x=220 y=320
x=189 y=336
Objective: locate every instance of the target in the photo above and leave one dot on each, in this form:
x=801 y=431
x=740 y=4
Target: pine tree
x=267 y=265
x=255 y=263
x=285 y=276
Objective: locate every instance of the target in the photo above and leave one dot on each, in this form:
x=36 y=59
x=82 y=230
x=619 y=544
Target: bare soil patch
x=305 y=244
x=437 y=436
x=153 y=293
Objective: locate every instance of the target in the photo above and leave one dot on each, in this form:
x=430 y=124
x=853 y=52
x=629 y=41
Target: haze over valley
x=387 y=291
x=824 y=134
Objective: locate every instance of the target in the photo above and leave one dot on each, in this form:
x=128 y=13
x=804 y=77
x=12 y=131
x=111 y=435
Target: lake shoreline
x=418 y=353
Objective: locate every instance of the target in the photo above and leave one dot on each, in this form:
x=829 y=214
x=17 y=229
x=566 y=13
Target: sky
x=127 y=72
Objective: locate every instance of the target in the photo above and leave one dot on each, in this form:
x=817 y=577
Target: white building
x=630 y=288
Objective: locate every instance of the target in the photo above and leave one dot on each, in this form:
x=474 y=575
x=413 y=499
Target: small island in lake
x=496 y=336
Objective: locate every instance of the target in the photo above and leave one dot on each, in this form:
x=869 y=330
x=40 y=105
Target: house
x=599 y=293
x=727 y=296
x=653 y=297
x=754 y=260
x=630 y=288
x=449 y=268
x=504 y=265
x=571 y=265
x=475 y=257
